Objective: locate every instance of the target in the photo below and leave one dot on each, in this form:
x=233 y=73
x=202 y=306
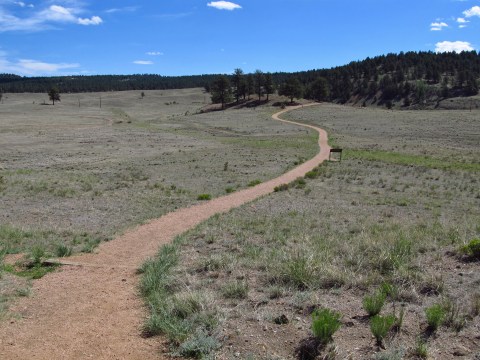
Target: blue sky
x=186 y=37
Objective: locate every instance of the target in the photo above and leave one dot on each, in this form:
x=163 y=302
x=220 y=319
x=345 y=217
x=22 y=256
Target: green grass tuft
x=325 y=323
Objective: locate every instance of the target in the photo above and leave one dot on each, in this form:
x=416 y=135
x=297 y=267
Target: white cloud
x=143 y=62
x=438 y=26
x=57 y=13
x=154 y=53
x=462 y=21
x=453 y=46
x=32 y=67
x=474 y=11
x=224 y=5
x=46 y=18
x=94 y=20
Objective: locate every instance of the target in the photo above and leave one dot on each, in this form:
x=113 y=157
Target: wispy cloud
x=224 y=5
x=453 y=46
x=438 y=26
x=124 y=9
x=22 y=4
x=154 y=53
x=45 y=18
x=143 y=62
x=30 y=67
x=474 y=11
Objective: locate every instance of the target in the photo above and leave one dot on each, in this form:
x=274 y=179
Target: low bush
x=325 y=323
x=435 y=316
x=204 y=197
x=381 y=325
x=373 y=304
x=472 y=249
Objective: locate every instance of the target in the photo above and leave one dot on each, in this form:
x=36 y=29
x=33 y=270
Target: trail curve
x=90 y=308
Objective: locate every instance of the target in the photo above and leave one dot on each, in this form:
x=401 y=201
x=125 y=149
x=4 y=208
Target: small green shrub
x=325 y=323
x=37 y=254
x=229 y=190
x=254 y=183
x=373 y=304
x=472 y=248
x=63 y=250
x=420 y=350
x=204 y=197
x=435 y=316
x=282 y=187
x=381 y=325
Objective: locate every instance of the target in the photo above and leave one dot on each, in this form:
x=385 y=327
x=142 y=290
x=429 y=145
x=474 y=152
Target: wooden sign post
x=335 y=151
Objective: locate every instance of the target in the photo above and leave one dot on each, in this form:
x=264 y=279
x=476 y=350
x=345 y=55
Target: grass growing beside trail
x=351 y=228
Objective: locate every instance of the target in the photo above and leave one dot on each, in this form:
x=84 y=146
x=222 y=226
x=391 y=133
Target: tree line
x=410 y=77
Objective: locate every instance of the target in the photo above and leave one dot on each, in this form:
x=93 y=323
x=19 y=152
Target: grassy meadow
x=75 y=174
x=384 y=231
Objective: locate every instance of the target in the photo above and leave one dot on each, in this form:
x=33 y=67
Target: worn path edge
x=90 y=309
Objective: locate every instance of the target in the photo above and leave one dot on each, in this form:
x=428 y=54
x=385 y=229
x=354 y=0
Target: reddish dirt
x=90 y=308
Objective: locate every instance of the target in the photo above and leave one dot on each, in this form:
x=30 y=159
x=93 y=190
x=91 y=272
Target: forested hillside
x=407 y=78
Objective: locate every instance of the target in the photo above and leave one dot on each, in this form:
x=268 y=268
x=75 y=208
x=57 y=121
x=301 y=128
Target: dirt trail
x=90 y=308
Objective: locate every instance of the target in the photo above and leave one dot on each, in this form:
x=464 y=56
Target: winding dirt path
x=90 y=309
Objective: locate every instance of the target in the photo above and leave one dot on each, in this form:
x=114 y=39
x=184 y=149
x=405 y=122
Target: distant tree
x=142 y=94
x=259 y=81
x=291 y=89
x=471 y=88
x=319 y=89
x=420 y=91
x=221 y=92
x=238 y=84
x=250 y=86
x=268 y=85
x=54 y=95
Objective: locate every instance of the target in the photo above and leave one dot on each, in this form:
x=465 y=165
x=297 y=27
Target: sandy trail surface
x=90 y=308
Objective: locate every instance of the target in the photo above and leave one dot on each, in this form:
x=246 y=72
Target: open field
x=74 y=175
x=393 y=215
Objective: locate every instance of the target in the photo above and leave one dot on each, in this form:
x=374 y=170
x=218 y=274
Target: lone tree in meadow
x=259 y=82
x=221 y=92
x=239 y=84
x=54 y=94
x=291 y=89
x=268 y=86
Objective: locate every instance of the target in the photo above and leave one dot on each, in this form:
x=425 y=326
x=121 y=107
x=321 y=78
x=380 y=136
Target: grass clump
x=204 y=197
x=235 y=290
x=420 y=350
x=373 y=304
x=186 y=318
x=281 y=187
x=254 y=183
x=435 y=316
x=380 y=326
x=63 y=250
x=325 y=323
x=472 y=249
